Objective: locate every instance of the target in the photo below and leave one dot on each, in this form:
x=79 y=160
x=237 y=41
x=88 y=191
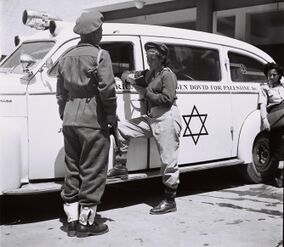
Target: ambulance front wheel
x=263 y=168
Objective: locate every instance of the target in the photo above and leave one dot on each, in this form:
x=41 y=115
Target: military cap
x=160 y=47
x=88 y=22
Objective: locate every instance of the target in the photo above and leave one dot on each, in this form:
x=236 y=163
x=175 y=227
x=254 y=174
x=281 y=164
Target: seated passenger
x=271 y=100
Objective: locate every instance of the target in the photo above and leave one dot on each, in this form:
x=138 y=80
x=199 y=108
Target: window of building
x=226 y=25
x=194 y=63
x=245 y=69
x=260 y=25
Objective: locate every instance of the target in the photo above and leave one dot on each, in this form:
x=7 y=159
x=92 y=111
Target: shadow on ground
x=33 y=208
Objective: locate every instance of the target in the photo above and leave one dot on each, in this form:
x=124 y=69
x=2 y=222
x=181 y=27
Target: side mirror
x=49 y=63
x=27 y=61
x=26 y=78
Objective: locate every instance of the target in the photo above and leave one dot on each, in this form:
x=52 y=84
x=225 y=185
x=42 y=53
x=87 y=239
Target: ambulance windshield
x=35 y=50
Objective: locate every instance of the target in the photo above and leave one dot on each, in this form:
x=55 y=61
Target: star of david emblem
x=195 y=125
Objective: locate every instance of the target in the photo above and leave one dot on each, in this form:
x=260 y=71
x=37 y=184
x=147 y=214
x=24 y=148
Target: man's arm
x=61 y=93
x=263 y=107
x=106 y=87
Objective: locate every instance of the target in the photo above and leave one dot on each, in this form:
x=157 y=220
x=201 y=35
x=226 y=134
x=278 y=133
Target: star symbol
x=197 y=125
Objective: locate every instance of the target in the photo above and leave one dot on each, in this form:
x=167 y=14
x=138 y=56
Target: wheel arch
x=251 y=138
x=249 y=131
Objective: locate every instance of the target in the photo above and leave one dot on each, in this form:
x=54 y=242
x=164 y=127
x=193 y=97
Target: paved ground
x=215 y=208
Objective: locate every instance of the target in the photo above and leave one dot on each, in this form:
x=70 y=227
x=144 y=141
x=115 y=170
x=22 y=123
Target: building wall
x=260 y=25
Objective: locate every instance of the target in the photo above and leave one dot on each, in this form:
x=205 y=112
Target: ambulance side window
x=245 y=69
x=121 y=54
x=34 y=50
x=194 y=63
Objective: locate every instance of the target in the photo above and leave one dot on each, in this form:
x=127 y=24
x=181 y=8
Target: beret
x=88 y=22
x=160 y=47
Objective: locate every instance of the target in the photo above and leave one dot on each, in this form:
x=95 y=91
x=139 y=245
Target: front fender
x=249 y=130
x=13 y=153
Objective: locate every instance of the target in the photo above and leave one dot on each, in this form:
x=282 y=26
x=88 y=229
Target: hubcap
x=261 y=156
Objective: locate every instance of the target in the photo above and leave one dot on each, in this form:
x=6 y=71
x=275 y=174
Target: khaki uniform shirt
x=159 y=90
x=83 y=100
x=271 y=96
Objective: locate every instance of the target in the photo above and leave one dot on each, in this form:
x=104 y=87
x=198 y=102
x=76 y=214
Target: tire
x=263 y=168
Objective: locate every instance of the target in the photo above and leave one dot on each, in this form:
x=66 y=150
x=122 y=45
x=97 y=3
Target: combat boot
x=91 y=230
x=167 y=205
x=118 y=171
x=87 y=225
x=72 y=213
x=72 y=228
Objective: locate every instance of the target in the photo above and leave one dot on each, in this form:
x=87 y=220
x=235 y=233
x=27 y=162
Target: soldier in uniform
x=163 y=122
x=87 y=106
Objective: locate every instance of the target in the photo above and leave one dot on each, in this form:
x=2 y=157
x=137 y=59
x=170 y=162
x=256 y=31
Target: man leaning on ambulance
x=87 y=105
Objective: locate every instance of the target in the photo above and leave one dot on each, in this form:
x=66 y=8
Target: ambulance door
x=46 y=152
x=125 y=52
x=246 y=76
x=204 y=106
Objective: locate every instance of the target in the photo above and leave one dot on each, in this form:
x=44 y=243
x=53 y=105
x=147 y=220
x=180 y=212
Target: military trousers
x=165 y=130
x=86 y=162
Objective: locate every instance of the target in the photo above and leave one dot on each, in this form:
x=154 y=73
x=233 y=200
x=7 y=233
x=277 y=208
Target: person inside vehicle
x=272 y=100
x=163 y=122
x=87 y=106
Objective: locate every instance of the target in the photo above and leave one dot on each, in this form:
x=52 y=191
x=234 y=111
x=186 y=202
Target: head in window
x=273 y=72
x=89 y=27
x=157 y=54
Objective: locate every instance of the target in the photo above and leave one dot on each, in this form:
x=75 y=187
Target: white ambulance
x=218 y=90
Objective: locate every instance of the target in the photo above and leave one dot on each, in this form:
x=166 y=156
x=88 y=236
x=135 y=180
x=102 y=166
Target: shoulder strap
x=94 y=70
x=99 y=56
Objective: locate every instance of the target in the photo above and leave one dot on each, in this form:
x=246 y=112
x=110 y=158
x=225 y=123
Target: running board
x=182 y=169
x=44 y=187
x=35 y=188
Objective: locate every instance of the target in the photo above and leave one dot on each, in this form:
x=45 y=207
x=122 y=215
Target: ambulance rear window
x=245 y=69
x=194 y=63
x=35 y=50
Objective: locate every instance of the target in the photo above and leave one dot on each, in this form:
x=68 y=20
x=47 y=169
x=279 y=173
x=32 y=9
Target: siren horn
x=38 y=19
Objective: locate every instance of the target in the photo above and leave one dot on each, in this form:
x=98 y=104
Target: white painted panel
x=13 y=105
x=46 y=153
x=13 y=151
